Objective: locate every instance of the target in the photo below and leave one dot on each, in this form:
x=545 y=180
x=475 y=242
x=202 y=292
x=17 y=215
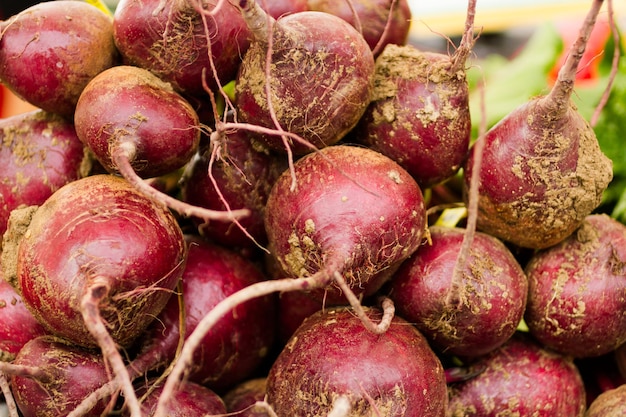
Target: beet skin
x=332 y=355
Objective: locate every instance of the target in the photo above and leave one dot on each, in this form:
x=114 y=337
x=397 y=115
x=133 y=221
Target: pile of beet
x=231 y=209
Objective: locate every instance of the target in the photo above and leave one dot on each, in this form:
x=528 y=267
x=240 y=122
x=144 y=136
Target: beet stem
x=467 y=41
x=22 y=370
x=614 y=67
x=90 y=310
x=382 y=40
x=266 y=407
x=124 y=152
x=8 y=396
x=557 y=100
x=140 y=365
x=260 y=23
x=388 y=308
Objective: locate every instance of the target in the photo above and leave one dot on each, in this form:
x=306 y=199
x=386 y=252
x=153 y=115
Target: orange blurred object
x=11 y=105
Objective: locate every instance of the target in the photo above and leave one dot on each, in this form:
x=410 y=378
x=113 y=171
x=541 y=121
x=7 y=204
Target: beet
x=242 y=175
x=104 y=235
x=280 y=8
x=177 y=43
x=190 y=400
x=240 y=342
x=65 y=374
x=576 y=290
x=321 y=254
x=137 y=125
x=520 y=378
x=354 y=211
x=59 y=35
x=332 y=355
x=419 y=115
x=478 y=316
x=294 y=308
x=17 y=324
x=39 y=153
x=611 y=403
x=243 y=398
x=319 y=81
x=129 y=105
x=382 y=22
x=542 y=169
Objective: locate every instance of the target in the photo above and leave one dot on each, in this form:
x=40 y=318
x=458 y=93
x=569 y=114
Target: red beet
x=280 y=8
x=47 y=52
x=332 y=355
x=190 y=400
x=17 y=324
x=294 y=308
x=129 y=106
x=520 y=378
x=319 y=81
x=354 y=211
x=137 y=125
x=242 y=175
x=240 y=342
x=354 y=216
x=117 y=258
x=172 y=40
x=611 y=403
x=419 y=115
x=477 y=317
x=105 y=235
x=39 y=153
x=65 y=374
x=382 y=22
x=576 y=299
x=243 y=398
x=542 y=170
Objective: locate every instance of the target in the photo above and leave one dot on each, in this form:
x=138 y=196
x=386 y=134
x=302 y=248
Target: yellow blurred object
x=100 y=5
x=451 y=217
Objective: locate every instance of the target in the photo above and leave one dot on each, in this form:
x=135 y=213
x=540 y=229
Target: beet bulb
x=39 y=153
x=354 y=211
x=576 y=302
x=137 y=125
x=105 y=235
x=419 y=115
x=542 y=170
x=62 y=374
x=611 y=403
x=47 y=52
x=319 y=81
x=382 y=22
x=245 y=399
x=17 y=324
x=239 y=343
x=235 y=174
x=332 y=355
x=520 y=378
x=190 y=400
x=173 y=40
x=478 y=316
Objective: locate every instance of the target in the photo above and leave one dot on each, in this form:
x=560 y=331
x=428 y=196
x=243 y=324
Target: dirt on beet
x=562 y=197
x=18 y=223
